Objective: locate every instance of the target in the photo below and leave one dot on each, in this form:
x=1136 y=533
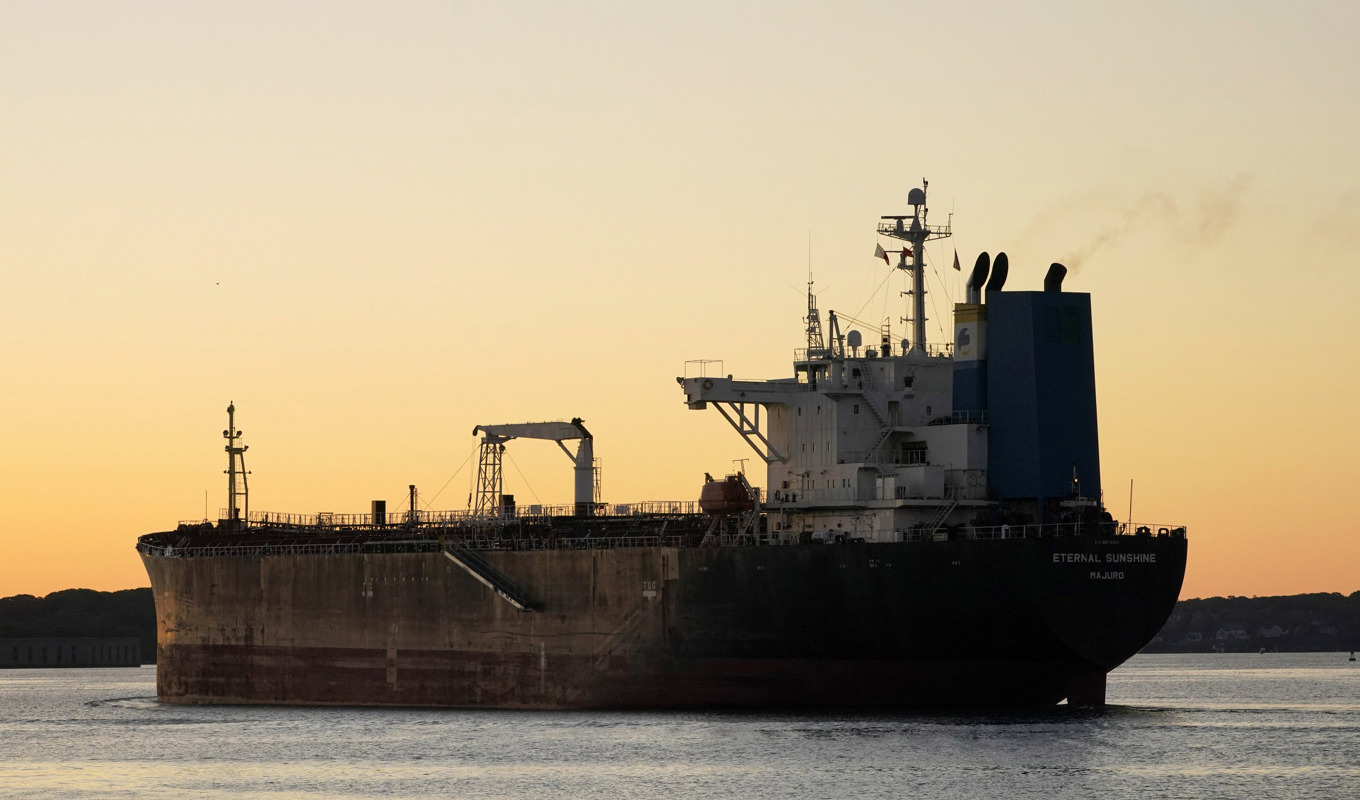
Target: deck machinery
x=491 y=501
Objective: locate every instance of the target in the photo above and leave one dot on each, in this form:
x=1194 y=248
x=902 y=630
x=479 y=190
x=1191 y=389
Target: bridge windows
x=910 y=452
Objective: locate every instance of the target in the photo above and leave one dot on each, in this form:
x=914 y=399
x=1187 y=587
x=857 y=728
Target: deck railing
x=1051 y=530
x=259 y=549
x=960 y=418
x=432 y=539
x=427 y=518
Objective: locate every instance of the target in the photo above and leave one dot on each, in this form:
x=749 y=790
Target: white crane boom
x=493 y=442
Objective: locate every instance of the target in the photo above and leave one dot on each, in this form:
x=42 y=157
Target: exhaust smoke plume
x=1202 y=223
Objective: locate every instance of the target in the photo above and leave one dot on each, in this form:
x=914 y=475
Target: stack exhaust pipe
x=977 y=278
x=1000 y=268
x=1053 y=280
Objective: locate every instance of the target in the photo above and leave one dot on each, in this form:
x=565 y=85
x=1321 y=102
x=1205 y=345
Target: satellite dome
x=916 y=197
x=853 y=339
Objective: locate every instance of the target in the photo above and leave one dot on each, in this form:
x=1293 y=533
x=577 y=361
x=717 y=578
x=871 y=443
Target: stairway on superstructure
x=883 y=415
x=951 y=502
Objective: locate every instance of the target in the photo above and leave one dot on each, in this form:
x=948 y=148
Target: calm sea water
x=1249 y=726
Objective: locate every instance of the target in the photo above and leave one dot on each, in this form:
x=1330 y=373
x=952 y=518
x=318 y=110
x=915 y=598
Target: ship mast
x=916 y=233
x=237 y=484
x=816 y=346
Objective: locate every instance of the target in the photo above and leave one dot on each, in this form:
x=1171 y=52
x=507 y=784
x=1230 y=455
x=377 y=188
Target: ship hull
x=868 y=626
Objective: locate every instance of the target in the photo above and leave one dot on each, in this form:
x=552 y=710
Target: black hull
x=866 y=626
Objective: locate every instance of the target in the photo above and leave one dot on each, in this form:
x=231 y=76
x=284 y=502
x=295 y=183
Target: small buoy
x=1263 y=651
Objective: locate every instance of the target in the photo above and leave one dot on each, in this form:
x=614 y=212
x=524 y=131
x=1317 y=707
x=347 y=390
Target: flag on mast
x=957 y=268
x=879 y=252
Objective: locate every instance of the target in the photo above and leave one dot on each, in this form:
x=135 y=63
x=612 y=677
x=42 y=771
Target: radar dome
x=853 y=339
x=916 y=197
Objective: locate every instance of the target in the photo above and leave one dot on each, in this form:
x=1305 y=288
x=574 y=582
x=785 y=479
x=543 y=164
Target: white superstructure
x=862 y=441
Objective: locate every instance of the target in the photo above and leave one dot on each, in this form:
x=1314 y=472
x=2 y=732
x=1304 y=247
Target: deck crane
x=489 y=479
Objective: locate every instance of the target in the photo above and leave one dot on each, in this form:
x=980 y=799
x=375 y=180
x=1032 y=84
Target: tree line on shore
x=1288 y=623
x=78 y=613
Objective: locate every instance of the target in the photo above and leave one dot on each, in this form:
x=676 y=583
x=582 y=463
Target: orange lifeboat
x=727 y=496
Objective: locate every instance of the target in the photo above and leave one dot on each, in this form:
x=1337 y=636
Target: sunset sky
x=376 y=225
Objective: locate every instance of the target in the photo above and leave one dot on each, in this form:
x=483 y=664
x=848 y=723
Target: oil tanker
x=931 y=534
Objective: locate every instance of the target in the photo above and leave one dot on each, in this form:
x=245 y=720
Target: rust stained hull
x=854 y=626
x=446 y=678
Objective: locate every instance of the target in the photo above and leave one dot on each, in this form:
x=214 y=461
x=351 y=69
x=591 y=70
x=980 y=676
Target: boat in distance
x=930 y=534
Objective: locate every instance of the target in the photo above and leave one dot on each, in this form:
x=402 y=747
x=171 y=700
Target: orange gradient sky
x=375 y=226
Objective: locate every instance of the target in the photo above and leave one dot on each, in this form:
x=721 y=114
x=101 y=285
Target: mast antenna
x=238 y=487
x=815 y=342
x=913 y=229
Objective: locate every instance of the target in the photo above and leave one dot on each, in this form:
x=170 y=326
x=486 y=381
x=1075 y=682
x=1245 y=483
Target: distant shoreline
x=1300 y=623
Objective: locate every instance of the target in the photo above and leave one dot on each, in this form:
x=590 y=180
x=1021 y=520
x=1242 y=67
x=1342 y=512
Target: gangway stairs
x=487 y=575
